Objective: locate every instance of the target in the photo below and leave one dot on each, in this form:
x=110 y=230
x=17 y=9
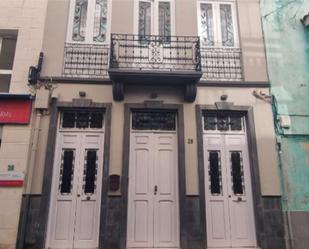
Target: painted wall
x=287 y=47
x=27 y=17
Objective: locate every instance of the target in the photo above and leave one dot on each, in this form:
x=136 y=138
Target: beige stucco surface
x=186 y=17
x=251 y=40
x=55 y=36
x=122 y=16
x=27 y=17
x=206 y=96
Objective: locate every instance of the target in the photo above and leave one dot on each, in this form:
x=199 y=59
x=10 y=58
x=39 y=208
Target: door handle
x=155 y=189
x=78 y=195
x=239 y=199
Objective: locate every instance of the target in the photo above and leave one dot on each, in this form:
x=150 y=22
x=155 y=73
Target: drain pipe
x=289 y=239
x=33 y=151
x=28 y=180
x=287 y=218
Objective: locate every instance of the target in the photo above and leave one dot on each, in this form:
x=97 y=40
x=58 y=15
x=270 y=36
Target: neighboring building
x=287 y=42
x=21 y=36
x=152 y=128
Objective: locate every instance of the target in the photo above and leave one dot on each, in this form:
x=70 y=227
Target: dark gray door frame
x=49 y=162
x=154 y=105
x=253 y=159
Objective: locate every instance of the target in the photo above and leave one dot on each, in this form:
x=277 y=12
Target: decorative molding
x=118 y=91
x=190 y=92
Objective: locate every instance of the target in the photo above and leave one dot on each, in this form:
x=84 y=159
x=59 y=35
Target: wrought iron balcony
x=85 y=61
x=155 y=59
x=221 y=64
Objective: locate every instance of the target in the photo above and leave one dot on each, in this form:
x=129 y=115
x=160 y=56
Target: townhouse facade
x=151 y=127
x=289 y=23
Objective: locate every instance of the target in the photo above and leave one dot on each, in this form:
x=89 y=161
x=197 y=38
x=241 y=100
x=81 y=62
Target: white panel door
x=217 y=207
x=76 y=190
x=240 y=201
x=87 y=217
x=153 y=191
x=166 y=191
x=229 y=207
x=141 y=187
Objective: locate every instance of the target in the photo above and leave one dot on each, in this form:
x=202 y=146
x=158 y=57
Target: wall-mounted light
x=305 y=20
x=82 y=94
x=224 y=97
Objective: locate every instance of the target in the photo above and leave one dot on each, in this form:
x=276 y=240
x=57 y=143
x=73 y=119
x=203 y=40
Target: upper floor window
x=7 y=53
x=154 y=17
x=89 y=21
x=217 y=23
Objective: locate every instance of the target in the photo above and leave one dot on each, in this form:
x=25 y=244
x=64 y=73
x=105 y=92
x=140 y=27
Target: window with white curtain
x=89 y=21
x=217 y=23
x=155 y=17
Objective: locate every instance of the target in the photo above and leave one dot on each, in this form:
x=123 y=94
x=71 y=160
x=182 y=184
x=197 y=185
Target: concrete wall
x=27 y=18
x=287 y=46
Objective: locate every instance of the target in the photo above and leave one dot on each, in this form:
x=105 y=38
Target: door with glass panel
x=218 y=24
x=154 y=17
x=74 y=211
x=228 y=194
x=88 y=21
x=218 y=31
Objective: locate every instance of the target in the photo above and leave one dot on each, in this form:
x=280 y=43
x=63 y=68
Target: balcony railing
x=221 y=64
x=155 y=53
x=85 y=61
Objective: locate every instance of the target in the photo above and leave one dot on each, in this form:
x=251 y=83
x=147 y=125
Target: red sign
x=11 y=179
x=15 y=111
x=11 y=183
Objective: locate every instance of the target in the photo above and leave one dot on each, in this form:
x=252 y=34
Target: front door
x=229 y=208
x=74 y=212
x=153 y=216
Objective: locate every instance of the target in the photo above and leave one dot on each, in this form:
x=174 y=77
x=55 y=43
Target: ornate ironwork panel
x=80 y=20
x=214 y=173
x=82 y=119
x=96 y=119
x=100 y=21
x=221 y=64
x=144 y=20
x=207 y=25
x=173 y=53
x=227 y=31
x=66 y=171
x=90 y=171
x=165 y=19
x=223 y=121
x=237 y=173
x=154 y=120
x=85 y=61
